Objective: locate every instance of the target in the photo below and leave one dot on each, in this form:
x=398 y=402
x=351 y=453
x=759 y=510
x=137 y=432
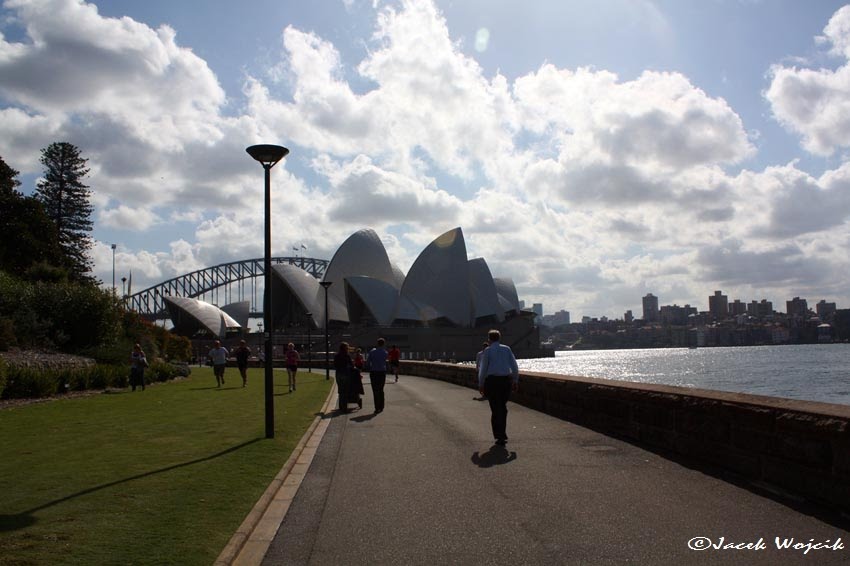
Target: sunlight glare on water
x=816 y=372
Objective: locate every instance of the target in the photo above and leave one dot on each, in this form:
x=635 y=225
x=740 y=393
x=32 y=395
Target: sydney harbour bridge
x=220 y=284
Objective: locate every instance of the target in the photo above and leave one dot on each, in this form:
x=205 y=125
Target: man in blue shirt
x=498 y=375
x=376 y=364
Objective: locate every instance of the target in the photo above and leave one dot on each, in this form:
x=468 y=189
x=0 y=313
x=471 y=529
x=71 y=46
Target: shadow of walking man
x=496 y=456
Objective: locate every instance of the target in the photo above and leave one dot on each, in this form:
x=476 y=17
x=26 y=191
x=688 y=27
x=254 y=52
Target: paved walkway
x=422 y=483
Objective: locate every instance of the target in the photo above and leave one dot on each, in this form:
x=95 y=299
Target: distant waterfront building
x=825 y=309
x=561 y=317
x=676 y=315
x=737 y=308
x=537 y=308
x=650 y=308
x=797 y=307
x=718 y=305
x=760 y=309
x=629 y=317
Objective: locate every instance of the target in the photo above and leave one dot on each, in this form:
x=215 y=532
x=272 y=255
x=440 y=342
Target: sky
x=593 y=151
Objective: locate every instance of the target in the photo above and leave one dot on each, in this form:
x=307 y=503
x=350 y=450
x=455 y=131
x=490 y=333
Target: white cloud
x=815 y=103
x=129 y=218
x=588 y=189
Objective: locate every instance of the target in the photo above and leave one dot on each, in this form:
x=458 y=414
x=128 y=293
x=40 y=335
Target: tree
x=66 y=201
x=29 y=236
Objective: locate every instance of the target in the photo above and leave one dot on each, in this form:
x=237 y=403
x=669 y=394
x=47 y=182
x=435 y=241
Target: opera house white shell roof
x=191 y=315
x=442 y=287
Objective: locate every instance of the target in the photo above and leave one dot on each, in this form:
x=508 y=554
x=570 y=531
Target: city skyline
x=591 y=150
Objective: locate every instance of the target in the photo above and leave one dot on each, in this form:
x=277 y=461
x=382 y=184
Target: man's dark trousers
x=378 y=379
x=497 y=388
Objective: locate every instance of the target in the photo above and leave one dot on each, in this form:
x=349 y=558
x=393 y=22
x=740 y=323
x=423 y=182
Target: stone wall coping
x=764 y=401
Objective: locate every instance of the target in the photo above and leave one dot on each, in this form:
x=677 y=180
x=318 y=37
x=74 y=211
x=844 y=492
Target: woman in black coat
x=347 y=389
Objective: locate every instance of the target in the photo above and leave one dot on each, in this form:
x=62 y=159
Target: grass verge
x=161 y=476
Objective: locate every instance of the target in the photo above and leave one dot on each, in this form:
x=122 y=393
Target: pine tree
x=66 y=201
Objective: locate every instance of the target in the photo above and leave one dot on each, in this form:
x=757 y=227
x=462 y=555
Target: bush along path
x=26 y=374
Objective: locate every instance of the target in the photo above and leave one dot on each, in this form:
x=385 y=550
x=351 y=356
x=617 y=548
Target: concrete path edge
x=251 y=541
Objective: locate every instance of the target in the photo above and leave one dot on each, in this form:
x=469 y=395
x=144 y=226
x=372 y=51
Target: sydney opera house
x=441 y=309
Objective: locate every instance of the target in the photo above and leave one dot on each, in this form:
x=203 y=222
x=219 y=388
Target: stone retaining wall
x=800 y=447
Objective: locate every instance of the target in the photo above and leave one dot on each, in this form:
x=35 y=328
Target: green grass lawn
x=161 y=476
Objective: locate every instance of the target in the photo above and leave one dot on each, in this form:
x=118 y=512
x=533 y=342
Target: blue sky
x=592 y=151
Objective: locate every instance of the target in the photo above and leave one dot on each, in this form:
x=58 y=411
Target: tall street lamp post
x=309 y=342
x=268 y=156
x=325 y=285
x=113 y=271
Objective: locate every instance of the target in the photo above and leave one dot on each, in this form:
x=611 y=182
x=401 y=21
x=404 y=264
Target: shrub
x=4 y=368
x=29 y=382
x=160 y=371
x=25 y=382
x=7 y=334
x=70 y=316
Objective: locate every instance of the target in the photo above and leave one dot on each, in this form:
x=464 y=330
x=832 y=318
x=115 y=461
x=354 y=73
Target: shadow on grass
x=26 y=518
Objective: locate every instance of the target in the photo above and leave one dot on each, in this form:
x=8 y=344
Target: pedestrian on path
x=243 y=352
x=344 y=371
x=218 y=355
x=478 y=357
x=376 y=365
x=359 y=363
x=394 y=357
x=138 y=363
x=498 y=375
x=292 y=359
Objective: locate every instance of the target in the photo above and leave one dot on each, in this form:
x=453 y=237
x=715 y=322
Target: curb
x=248 y=545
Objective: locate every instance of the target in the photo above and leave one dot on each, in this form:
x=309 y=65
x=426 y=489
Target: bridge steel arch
x=151 y=304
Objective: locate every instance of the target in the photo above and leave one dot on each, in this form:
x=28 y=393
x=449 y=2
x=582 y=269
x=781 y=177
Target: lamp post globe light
x=114 y=292
x=325 y=285
x=268 y=156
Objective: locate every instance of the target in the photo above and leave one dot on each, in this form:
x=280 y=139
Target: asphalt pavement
x=422 y=483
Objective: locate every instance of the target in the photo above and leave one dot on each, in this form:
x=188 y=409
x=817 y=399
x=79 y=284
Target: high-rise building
x=718 y=305
x=760 y=309
x=650 y=308
x=797 y=307
x=628 y=317
x=825 y=309
x=676 y=315
x=736 y=308
x=537 y=308
x=561 y=317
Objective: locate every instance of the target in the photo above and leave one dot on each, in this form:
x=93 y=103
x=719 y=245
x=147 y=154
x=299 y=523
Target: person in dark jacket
x=138 y=363
x=344 y=368
x=376 y=364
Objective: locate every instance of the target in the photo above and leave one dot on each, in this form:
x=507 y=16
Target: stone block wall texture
x=800 y=447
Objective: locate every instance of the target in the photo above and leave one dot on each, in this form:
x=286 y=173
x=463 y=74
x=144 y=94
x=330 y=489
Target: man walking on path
x=218 y=355
x=376 y=364
x=498 y=375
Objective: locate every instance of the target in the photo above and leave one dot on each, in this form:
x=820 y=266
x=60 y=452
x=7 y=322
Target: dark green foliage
x=66 y=200
x=3 y=371
x=24 y=383
x=7 y=334
x=29 y=235
x=27 y=382
x=65 y=315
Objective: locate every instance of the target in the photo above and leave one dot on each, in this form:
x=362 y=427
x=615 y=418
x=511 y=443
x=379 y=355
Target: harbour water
x=814 y=372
